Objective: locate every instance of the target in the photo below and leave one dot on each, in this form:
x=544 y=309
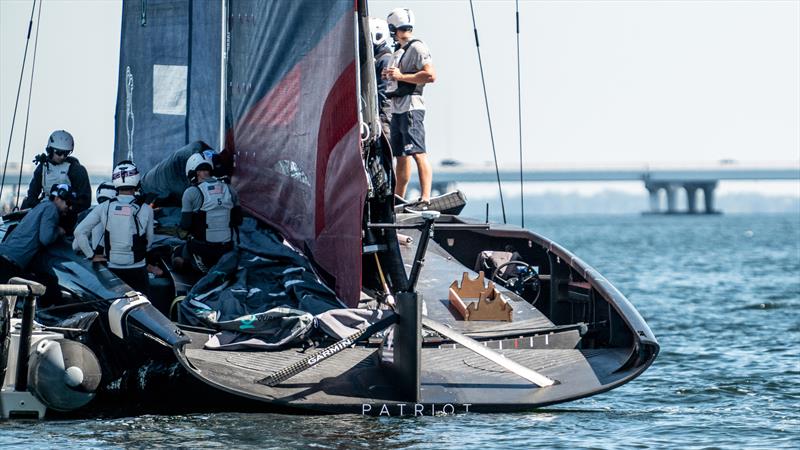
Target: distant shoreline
x=609 y=201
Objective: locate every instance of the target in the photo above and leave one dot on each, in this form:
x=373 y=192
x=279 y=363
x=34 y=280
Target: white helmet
x=400 y=17
x=60 y=140
x=205 y=158
x=125 y=174
x=379 y=30
x=106 y=191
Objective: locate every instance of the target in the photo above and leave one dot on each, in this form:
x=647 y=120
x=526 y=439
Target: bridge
x=672 y=179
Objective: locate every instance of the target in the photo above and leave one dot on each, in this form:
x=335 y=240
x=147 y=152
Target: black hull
x=452 y=378
x=582 y=333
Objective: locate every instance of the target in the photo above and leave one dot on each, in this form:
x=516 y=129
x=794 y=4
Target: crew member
x=210 y=215
x=127 y=230
x=37 y=230
x=410 y=70
x=379 y=31
x=105 y=192
x=58 y=167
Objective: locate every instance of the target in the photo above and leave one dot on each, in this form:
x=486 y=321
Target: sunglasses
x=393 y=29
x=61 y=152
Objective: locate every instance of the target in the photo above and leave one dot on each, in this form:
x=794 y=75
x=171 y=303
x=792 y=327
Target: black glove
x=40 y=158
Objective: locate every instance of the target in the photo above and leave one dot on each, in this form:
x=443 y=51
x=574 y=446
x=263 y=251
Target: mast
x=223 y=73
x=367 y=84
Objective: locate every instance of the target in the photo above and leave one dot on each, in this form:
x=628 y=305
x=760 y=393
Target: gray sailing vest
x=217 y=205
x=396 y=88
x=125 y=237
x=55 y=174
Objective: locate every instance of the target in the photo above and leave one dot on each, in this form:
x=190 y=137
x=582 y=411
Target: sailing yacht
x=336 y=300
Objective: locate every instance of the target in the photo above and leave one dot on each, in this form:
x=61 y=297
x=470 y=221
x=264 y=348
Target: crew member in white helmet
x=58 y=167
x=379 y=31
x=411 y=69
x=210 y=216
x=127 y=230
x=105 y=192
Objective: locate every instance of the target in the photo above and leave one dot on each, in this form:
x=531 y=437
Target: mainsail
x=290 y=111
x=294 y=127
x=169 y=78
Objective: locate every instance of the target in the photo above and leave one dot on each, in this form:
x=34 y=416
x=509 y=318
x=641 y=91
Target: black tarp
x=167 y=179
x=264 y=289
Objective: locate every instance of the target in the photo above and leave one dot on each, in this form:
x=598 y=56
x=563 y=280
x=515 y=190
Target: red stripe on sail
x=280 y=106
x=339 y=116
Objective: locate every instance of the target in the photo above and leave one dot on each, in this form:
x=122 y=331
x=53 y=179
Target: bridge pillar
x=673 y=188
x=708 y=193
x=671 y=198
x=655 y=204
x=691 y=197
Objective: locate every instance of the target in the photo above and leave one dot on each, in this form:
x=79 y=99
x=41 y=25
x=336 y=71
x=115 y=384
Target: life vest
x=55 y=174
x=212 y=223
x=401 y=88
x=383 y=59
x=125 y=238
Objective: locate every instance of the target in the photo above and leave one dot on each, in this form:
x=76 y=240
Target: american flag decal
x=215 y=188
x=122 y=210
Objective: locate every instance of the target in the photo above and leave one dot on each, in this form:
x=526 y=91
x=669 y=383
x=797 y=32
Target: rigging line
x=519 y=119
x=190 y=32
x=16 y=104
x=28 y=112
x=488 y=115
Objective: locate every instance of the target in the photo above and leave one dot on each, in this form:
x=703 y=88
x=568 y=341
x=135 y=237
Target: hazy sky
x=603 y=81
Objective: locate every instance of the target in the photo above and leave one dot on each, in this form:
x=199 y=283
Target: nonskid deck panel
x=354 y=377
x=440 y=270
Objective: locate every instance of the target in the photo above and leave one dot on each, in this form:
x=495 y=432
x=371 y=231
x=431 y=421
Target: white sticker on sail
x=169 y=90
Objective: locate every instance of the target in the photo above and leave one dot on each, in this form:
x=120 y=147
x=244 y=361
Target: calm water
x=721 y=294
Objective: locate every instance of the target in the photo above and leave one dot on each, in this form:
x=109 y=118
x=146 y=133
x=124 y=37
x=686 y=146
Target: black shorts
x=408 y=133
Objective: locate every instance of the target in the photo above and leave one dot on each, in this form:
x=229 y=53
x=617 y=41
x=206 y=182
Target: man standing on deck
x=410 y=70
x=58 y=167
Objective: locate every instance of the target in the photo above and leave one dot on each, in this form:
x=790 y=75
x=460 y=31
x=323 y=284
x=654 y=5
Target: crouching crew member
x=58 y=167
x=36 y=231
x=127 y=230
x=210 y=215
